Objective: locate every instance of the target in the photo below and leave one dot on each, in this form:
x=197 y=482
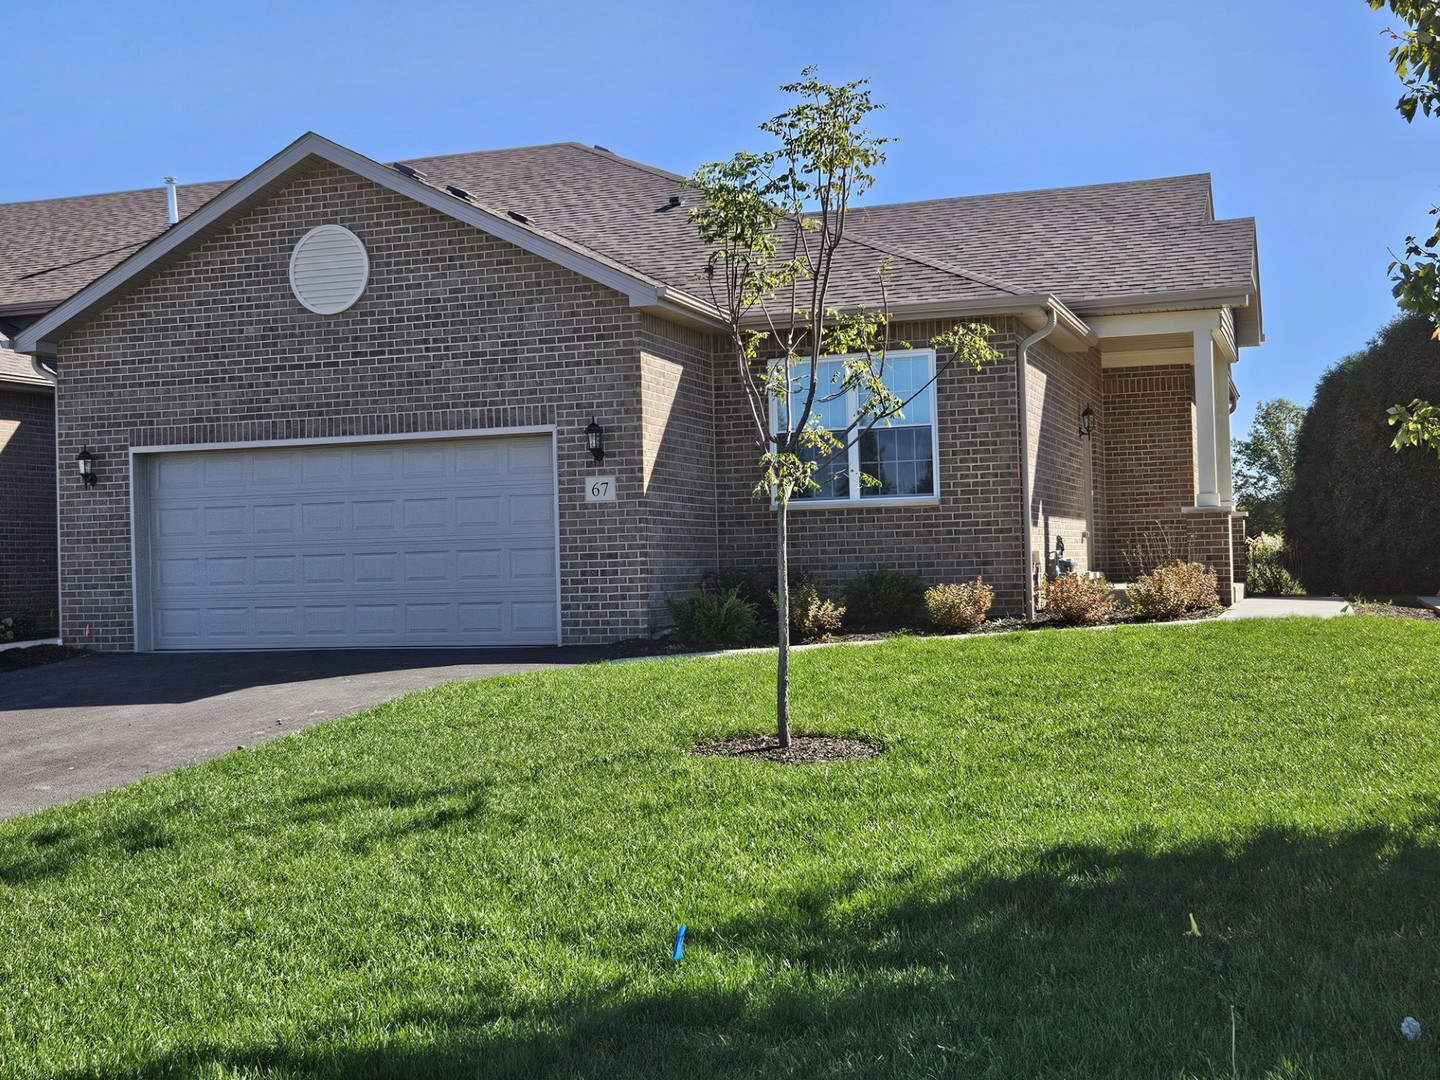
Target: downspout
x=1026 y=529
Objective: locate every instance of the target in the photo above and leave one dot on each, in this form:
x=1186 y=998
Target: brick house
x=345 y=403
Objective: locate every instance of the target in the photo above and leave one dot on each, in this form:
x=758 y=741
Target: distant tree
x=1361 y=519
x=1265 y=464
x=1416 y=56
x=775 y=224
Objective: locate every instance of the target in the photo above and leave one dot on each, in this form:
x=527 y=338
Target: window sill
x=898 y=502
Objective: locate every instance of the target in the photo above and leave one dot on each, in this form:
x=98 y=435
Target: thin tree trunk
x=782 y=605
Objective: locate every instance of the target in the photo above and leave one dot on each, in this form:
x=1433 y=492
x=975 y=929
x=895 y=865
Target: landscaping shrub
x=1170 y=591
x=1362 y=518
x=1160 y=544
x=961 y=607
x=1267 y=567
x=19 y=627
x=812 y=614
x=1077 y=601
x=885 y=598
x=706 y=616
x=755 y=585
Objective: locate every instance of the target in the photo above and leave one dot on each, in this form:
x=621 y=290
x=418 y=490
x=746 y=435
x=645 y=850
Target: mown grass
x=486 y=879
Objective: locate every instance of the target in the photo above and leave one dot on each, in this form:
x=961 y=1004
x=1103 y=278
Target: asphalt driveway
x=84 y=726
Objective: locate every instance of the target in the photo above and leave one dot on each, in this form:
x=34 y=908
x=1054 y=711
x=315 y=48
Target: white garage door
x=436 y=542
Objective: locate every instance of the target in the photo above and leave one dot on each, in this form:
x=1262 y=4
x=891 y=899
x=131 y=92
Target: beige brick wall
x=456 y=330
x=1060 y=386
x=27 y=504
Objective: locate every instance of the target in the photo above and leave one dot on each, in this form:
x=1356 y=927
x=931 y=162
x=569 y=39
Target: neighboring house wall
x=678 y=442
x=1060 y=386
x=973 y=530
x=1149 y=438
x=27 y=506
x=456 y=331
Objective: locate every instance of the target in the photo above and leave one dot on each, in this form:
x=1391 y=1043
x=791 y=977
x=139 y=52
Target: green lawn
x=486 y=879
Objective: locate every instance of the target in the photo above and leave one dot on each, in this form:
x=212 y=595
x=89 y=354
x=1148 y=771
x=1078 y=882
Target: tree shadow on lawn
x=1081 y=966
x=374 y=813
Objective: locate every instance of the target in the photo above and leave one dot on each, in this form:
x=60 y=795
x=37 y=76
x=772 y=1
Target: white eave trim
x=41 y=337
x=1188 y=299
x=1034 y=304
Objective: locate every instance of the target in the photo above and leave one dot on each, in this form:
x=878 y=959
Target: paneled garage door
x=436 y=542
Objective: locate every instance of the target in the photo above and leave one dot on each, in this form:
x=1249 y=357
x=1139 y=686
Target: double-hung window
x=899 y=452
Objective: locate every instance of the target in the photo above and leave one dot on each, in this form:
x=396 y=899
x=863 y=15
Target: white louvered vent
x=329 y=269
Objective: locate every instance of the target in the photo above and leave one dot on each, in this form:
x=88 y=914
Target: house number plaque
x=599 y=489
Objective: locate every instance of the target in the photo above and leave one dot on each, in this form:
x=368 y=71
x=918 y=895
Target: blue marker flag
x=679 y=943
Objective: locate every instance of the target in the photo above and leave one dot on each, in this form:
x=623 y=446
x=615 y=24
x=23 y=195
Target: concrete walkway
x=83 y=726
x=1278 y=607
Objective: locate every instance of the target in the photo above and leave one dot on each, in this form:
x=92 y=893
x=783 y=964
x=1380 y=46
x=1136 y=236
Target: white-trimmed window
x=902 y=452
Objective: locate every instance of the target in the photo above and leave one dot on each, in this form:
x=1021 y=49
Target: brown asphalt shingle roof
x=55 y=247
x=1091 y=243
x=1083 y=244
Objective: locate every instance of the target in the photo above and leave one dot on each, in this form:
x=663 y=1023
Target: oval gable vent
x=329 y=269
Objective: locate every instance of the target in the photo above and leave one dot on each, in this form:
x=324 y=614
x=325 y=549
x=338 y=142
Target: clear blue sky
x=1289 y=106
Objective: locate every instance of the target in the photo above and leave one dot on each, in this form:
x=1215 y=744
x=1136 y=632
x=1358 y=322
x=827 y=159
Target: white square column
x=1210 y=387
x=1224 y=466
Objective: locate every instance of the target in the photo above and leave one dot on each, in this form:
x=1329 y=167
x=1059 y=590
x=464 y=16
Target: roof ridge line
x=640 y=166
x=1032 y=191
x=109 y=194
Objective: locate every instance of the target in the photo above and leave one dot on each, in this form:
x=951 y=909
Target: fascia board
x=1168 y=301
x=39 y=337
x=1036 y=304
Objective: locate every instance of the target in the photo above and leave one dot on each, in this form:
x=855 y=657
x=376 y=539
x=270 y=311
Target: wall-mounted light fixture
x=595 y=440
x=86 y=461
x=1087 y=421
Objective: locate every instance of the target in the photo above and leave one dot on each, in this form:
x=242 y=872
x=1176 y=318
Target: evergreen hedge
x=1363 y=519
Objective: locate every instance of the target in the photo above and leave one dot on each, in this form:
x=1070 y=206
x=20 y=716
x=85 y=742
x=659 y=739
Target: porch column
x=1223 y=465
x=1207 y=393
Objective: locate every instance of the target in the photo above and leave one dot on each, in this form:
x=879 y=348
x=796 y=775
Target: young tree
x=775 y=223
x=1265 y=464
x=1416 y=56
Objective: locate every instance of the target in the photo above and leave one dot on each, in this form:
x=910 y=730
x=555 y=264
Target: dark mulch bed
x=803 y=749
x=35 y=655
x=668 y=646
x=1397 y=610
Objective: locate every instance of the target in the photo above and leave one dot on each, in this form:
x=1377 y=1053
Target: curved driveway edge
x=84 y=726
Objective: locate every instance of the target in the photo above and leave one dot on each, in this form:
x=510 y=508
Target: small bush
x=706 y=616
x=812 y=614
x=885 y=598
x=1268 y=569
x=755 y=585
x=1077 y=601
x=960 y=607
x=1170 y=591
x=18 y=627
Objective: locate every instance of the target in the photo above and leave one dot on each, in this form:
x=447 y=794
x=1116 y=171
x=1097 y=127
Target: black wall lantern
x=595 y=440
x=1087 y=421
x=86 y=461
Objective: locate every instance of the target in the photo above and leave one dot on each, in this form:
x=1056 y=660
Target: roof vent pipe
x=172 y=200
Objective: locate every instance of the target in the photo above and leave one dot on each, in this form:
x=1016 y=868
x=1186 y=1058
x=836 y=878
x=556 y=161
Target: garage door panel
x=442 y=542
x=530 y=510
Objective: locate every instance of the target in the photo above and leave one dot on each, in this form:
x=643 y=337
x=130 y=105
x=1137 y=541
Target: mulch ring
x=803 y=749
x=35 y=655
x=1396 y=611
